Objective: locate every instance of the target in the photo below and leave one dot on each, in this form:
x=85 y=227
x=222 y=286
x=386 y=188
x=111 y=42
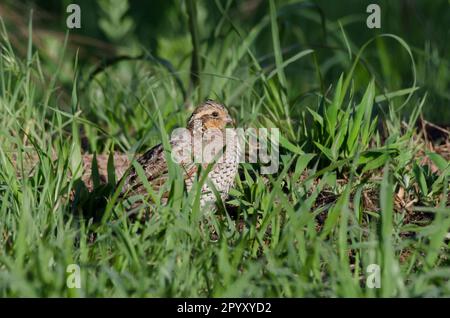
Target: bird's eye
x=215 y=114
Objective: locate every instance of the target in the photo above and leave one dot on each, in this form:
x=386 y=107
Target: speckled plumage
x=209 y=118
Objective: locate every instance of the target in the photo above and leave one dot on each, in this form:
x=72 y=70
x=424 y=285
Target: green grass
x=309 y=230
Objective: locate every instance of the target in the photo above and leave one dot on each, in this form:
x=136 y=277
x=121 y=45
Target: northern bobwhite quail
x=208 y=121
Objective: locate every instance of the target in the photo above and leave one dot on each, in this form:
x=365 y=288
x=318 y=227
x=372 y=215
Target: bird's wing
x=154 y=164
x=121 y=164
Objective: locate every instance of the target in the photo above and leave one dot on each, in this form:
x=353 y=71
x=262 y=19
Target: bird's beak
x=229 y=120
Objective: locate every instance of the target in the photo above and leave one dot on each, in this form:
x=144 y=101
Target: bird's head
x=210 y=115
